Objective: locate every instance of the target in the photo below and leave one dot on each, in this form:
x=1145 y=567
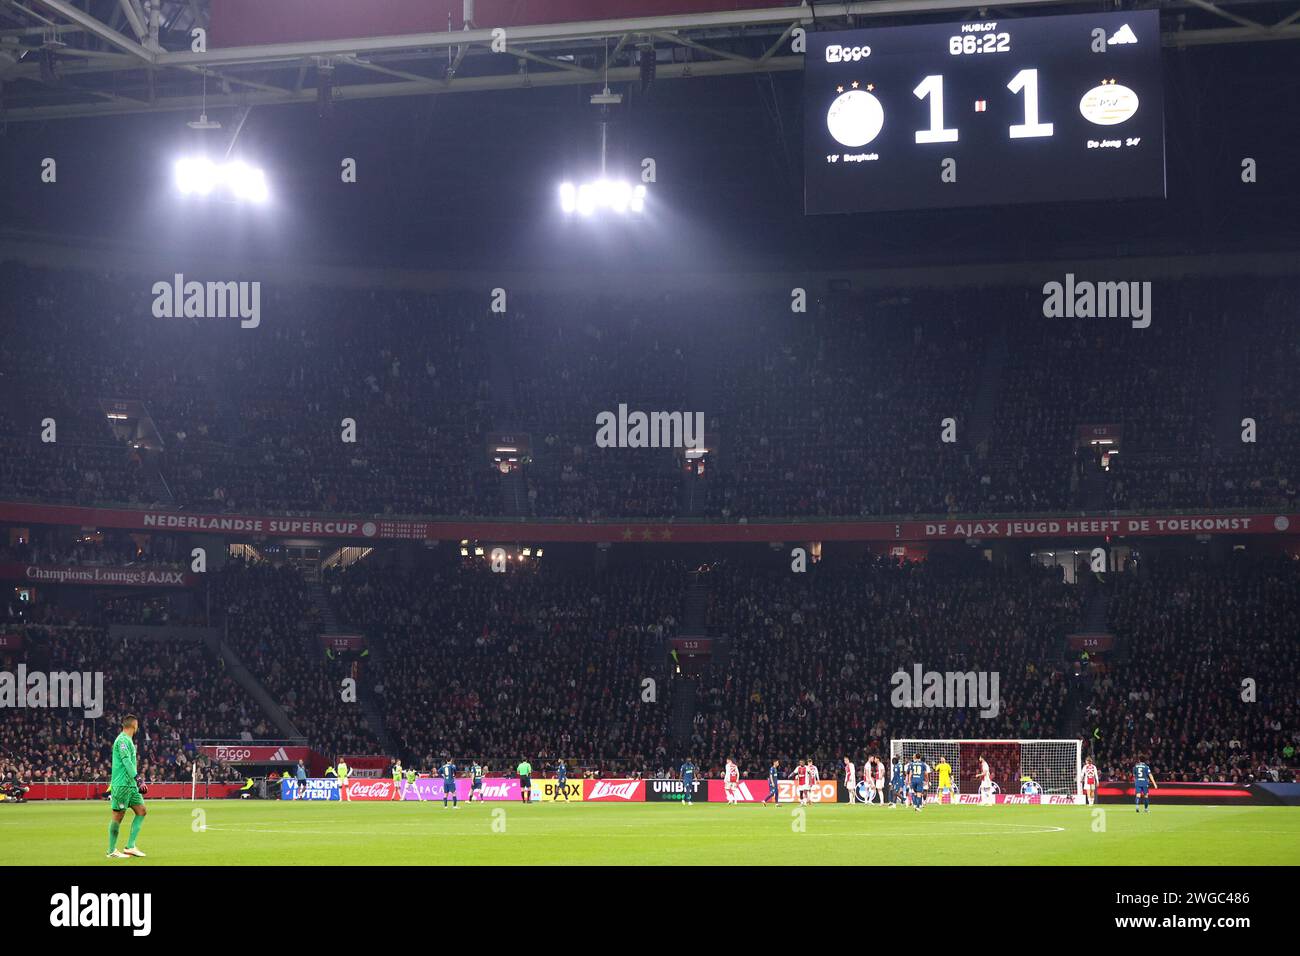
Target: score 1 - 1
x=1025 y=81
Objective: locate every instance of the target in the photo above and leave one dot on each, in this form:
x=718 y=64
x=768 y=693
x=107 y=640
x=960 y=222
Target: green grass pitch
x=267 y=832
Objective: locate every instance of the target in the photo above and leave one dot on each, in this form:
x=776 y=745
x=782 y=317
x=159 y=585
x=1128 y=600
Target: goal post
x=1053 y=764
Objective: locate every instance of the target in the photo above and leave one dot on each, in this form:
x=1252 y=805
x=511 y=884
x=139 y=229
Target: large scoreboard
x=984 y=113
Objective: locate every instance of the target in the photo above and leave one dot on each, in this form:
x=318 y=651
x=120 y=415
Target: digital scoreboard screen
x=984 y=113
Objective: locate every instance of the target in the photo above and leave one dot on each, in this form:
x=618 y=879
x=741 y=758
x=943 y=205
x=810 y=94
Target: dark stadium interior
x=823 y=430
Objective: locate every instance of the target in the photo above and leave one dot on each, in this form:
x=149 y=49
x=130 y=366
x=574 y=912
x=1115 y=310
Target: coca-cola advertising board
x=429 y=789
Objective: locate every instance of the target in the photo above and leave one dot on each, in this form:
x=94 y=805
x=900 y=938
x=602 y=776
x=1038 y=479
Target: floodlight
x=246 y=182
x=612 y=195
x=196 y=175
x=568 y=197
x=200 y=176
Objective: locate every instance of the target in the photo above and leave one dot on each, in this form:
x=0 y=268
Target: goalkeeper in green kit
x=124 y=792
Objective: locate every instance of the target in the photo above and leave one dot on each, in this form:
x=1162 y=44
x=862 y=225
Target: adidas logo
x=1123 y=35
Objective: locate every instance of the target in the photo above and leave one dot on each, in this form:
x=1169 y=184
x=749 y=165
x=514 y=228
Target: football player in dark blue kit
x=449 y=785
x=773 y=783
x=561 y=781
x=1143 y=780
x=918 y=772
x=688 y=782
x=897 y=786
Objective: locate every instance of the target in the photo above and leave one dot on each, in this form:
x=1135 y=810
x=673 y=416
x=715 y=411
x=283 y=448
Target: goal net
x=1052 y=764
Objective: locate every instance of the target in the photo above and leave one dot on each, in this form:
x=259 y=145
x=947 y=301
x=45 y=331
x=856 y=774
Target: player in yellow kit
x=945 y=780
x=342 y=773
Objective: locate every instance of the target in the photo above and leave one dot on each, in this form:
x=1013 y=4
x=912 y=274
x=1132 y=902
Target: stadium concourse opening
x=649 y=433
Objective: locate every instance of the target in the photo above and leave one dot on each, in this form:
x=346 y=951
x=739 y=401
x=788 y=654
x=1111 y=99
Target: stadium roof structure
x=61 y=59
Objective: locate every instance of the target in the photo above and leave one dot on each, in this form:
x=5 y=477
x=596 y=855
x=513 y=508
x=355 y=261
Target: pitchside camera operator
x=12 y=790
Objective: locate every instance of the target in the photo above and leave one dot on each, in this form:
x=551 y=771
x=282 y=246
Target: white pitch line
x=1025 y=828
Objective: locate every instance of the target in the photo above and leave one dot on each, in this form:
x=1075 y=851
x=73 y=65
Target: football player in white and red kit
x=731 y=782
x=1089 y=777
x=878 y=778
x=812 y=777
x=801 y=783
x=985 y=779
x=851 y=780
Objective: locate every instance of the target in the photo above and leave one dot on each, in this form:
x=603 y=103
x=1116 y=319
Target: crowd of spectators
x=548 y=662
x=76 y=548
x=179 y=691
x=838 y=412
x=273 y=626
x=1150 y=383
x=835 y=412
x=227 y=418
x=97 y=549
x=532 y=662
x=576 y=358
x=841 y=413
x=1207 y=684
x=813 y=656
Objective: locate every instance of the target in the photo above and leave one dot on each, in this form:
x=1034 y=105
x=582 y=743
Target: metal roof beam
x=97 y=27
x=134 y=16
x=564 y=32
x=695 y=45
x=387 y=71
x=1183 y=38
x=343 y=94
x=592 y=75
x=780 y=41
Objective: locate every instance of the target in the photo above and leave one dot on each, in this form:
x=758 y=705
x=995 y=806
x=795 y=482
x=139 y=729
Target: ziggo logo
x=846 y=54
